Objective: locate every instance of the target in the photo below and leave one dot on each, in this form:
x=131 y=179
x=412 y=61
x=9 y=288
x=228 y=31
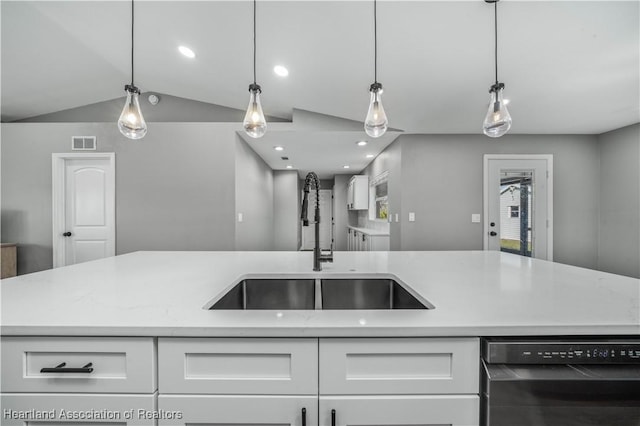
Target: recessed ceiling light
x=361 y=143
x=346 y=166
x=278 y=148
x=369 y=155
x=506 y=101
x=281 y=71
x=187 y=52
x=289 y=166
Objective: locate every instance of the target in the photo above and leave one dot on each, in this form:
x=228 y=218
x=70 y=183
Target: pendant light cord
x=254 y=42
x=132 y=18
x=495 y=20
x=375 y=41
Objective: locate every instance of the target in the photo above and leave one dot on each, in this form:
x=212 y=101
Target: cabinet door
x=379 y=243
x=350 y=195
x=103 y=364
x=246 y=410
x=41 y=409
x=405 y=410
x=360 y=192
x=384 y=366
x=238 y=366
x=366 y=242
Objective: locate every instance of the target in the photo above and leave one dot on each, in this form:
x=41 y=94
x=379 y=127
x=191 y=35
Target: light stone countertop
x=370 y=231
x=475 y=294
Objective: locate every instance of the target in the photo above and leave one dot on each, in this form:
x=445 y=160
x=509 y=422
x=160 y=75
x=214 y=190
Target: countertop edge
x=302 y=332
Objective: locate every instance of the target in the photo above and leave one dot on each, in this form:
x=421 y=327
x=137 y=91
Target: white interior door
x=84 y=207
x=518 y=204
x=308 y=232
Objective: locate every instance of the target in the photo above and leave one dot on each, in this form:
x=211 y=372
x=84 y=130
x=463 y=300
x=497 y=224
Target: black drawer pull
x=304 y=417
x=61 y=369
x=333 y=417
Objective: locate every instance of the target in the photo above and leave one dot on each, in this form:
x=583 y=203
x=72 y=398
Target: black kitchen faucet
x=318 y=257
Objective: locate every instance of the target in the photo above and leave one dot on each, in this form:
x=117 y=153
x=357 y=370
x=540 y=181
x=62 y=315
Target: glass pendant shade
x=131 y=122
x=498 y=120
x=254 y=122
x=376 y=123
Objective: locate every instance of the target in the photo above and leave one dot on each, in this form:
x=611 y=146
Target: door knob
x=66 y=234
x=493 y=233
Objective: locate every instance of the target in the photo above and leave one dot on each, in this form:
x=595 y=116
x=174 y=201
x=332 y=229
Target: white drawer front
x=39 y=409
x=238 y=366
x=399 y=366
x=239 y=410
x=122 y=365
x=405 y=410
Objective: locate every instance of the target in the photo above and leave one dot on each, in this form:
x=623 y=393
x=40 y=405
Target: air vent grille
x=83 y=143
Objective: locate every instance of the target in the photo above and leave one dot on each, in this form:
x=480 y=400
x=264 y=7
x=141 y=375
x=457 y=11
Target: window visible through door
x=516 y=212
x=379 y=197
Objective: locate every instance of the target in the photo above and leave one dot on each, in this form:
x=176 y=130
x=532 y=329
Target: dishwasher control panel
x=561 y=352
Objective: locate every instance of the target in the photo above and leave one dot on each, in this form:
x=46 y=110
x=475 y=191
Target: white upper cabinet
x=358 y=193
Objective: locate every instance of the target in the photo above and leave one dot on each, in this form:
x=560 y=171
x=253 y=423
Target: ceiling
x=309 y=146
x=570 y=67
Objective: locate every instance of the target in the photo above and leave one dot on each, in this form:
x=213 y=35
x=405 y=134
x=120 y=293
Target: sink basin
x=279 y=294
x=352 y=293
x=367 y=293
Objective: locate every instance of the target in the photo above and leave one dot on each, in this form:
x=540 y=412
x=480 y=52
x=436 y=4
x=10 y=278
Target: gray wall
x=254 y=199
x=439 y=178
x=389 y=160
x=619 y=229
x=174 y=189
x=285 y=210
x=442 y=184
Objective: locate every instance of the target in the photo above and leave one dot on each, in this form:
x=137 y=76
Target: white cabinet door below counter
x=254 y=410
x=405 y=410
x=64 y=409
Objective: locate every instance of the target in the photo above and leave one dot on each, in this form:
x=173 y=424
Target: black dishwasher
x=567 y=381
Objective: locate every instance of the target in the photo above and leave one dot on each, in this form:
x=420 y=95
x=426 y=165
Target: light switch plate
x=475 y=218
x=397 y=218
x=240 y=217
x=412 y=217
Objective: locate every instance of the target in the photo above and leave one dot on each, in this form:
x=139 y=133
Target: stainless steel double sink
x=325 y=293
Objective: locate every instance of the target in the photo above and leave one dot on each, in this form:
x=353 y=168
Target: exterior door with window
x=519 y=205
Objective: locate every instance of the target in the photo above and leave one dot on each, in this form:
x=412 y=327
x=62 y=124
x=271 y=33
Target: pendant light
x=375 y=125
x=254 y=122
x=498 y=120
x=131 y=122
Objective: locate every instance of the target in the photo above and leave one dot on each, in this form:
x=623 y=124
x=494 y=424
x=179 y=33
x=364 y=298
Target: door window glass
x=516 y=212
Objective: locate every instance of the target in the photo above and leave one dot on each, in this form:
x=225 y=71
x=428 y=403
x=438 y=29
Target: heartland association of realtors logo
x=63 y=414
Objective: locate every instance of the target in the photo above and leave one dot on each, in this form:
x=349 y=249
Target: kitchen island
x=474 y=293
x=129 y=340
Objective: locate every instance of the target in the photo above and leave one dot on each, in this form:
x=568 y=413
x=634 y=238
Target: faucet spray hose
x=305 y=208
